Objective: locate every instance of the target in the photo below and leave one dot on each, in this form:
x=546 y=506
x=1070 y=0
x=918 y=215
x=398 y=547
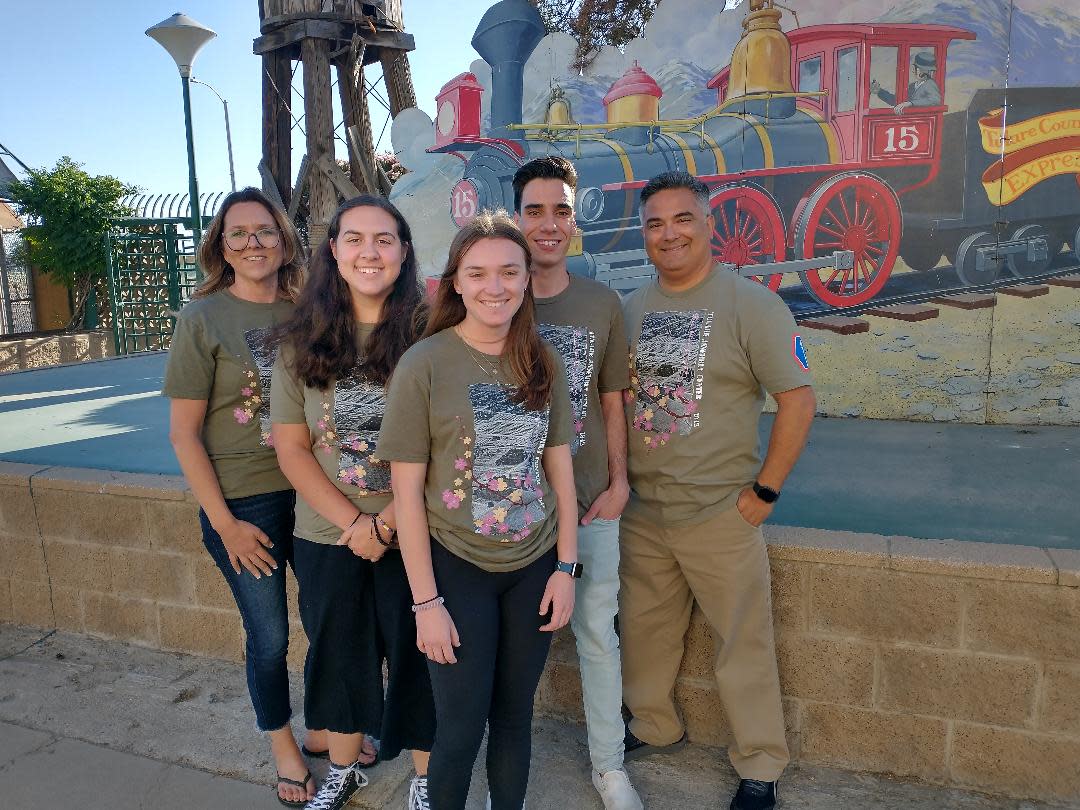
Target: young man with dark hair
x=583 y=320
x=706 y=344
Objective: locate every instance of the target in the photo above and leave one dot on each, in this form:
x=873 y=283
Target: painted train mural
x=851 y=164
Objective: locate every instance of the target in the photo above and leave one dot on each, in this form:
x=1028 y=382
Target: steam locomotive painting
x=824 y=154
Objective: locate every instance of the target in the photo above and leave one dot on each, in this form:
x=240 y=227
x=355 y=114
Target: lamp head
x=183 y=38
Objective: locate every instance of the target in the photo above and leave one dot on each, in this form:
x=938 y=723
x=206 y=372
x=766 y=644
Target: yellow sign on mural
x=1031 y=151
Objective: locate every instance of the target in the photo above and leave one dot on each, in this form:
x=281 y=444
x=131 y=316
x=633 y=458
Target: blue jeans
x=599 y=659
x=262 y=602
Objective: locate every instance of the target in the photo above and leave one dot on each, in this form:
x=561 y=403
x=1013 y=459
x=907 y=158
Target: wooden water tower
x=315 y=35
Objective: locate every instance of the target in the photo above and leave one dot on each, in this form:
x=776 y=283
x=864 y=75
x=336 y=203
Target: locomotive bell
x=558 y=110
x=761 y=61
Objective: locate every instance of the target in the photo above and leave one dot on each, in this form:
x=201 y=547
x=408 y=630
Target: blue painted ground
x=993 y=483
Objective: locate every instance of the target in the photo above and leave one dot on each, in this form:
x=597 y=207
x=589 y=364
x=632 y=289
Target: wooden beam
x=335 y=32
x=354 y=109
x=345 y=189
x=398 y=79
x=356 y=155
x=277 y=129
x=269 y=184
x=319 y=124
x=298 y=189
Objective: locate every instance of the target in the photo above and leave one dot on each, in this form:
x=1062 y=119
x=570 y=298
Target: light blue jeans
x=593 y=623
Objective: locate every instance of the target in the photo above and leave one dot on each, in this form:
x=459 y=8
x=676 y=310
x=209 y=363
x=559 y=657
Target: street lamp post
x=183 y=38
x=228 y=130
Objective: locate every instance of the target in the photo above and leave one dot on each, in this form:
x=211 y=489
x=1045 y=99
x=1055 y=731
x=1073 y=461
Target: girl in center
x=359 y=312
x=477 y=432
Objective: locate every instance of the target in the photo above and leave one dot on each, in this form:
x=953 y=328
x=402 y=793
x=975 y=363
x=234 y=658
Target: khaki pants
x=722 y=563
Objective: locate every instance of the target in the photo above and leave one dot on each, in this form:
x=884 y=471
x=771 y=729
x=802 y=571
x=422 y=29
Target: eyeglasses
x=264 y=237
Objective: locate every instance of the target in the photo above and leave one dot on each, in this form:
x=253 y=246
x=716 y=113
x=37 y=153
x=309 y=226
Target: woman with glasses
x=218 y=381
x=359 y=312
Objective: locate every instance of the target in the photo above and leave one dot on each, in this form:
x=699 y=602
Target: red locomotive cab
x=881 y=87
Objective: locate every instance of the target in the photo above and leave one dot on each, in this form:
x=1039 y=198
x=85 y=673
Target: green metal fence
x=152 y=273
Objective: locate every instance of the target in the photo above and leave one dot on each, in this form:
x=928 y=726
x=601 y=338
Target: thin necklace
x=490 y=370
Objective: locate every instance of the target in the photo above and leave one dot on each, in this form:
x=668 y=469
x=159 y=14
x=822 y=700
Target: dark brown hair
x=211 y=255
x=531 y=366
x=322 y=330
x=549 y=167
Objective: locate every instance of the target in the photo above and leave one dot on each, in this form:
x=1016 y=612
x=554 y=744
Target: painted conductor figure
x=922 y=92
x=706 y=345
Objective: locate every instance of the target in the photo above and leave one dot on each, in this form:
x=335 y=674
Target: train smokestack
x=505 y=38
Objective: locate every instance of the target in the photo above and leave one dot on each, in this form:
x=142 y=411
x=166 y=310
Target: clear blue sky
x=82 y=79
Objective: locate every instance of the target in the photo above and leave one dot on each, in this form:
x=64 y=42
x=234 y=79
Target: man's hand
x=899 y=108
x=875 y=86
x=609 y=504
x=754 y=510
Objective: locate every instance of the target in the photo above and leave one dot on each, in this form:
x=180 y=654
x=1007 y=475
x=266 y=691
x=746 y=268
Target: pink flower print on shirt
x=242 y=416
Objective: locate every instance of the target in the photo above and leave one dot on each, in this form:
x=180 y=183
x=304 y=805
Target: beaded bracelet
x=375 y=521
x=431 y=603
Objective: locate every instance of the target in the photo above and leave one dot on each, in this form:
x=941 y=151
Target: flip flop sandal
x=294 y=783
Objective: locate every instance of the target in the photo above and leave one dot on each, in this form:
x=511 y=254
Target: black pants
x=409 y=712
x=498 y=668
x=343 y=688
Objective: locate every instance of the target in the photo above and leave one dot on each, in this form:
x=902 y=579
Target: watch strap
x=574 y=569
x=767 y=494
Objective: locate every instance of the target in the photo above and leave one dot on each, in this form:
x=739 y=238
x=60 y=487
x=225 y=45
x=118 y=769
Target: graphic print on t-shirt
x=256 y=390
x=359 y=405
x=505 y=462
x=577 y=347
x=667 y=373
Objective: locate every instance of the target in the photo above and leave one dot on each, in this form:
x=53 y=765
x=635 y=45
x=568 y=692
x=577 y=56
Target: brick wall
x=955 y=663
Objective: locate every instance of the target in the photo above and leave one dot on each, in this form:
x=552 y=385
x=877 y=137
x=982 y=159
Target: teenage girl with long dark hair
x=359 y=312
x=218 y=381
x=477 y=432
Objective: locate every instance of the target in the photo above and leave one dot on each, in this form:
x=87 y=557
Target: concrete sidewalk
x=93 y=724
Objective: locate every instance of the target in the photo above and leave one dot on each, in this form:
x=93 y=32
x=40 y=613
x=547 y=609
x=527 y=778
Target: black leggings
x=498 y=668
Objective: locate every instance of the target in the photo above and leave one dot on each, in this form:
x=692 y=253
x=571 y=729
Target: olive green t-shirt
x=217 y=354
x=344 y=422
x=487 y=498
x=701 y=360
x=585 y=325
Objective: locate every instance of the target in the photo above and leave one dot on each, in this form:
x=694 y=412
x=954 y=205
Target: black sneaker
x=633 y=748
x=754 y=794
x=338 y=787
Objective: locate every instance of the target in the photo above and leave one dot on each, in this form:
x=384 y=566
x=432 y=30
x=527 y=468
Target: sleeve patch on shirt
x=799 y=352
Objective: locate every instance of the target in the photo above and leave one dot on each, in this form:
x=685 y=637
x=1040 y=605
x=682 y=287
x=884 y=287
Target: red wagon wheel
x=855 y=212
x=748 y=229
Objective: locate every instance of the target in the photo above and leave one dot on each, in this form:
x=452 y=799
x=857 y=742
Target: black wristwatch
x=767 y=494
x=574 y=569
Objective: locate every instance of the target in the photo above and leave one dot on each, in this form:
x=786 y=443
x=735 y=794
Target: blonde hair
x=211 y=256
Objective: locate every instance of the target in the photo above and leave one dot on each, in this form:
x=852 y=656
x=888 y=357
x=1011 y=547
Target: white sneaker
x=418 y=796
x=616 y=791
